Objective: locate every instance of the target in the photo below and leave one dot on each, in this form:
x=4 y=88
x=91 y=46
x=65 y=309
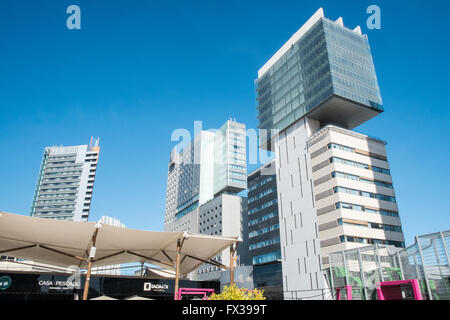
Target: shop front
x=60 y=286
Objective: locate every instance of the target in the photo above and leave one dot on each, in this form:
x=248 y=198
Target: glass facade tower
x=324 y=71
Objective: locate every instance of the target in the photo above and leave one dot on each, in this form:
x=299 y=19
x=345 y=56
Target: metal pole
x=361 y=272
x=91 y=259
x=437 y=258
x=423 y=267
x=344 y=261
x=378 y=260
x=331 y=276
x=445 y=248
x=400 y=265
x=231 y=264
x=177 y=270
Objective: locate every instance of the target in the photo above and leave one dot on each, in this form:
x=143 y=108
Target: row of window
x=353 y=150
x=372 y=241
x=58 y=168
x=359 y=165
x=263 y=218
x=237 y=153
x=187 y=203
x=57 y=195
x=364 y=194
x=60 y=162
x=264 y=230
x=262 y=194
x=239 y=174
x=337 y=174
x=235 y=166
x=238 y=180
x=186 y=211
x=54 y=158
x=357 y=207
x=56 y=201
x=238 y=161
x=264 y=243
x=61 y=206
x=263 y=206
x=268 y=257
x=58 y=189
x=64 y=183
x=372 y=225
x=263 y=182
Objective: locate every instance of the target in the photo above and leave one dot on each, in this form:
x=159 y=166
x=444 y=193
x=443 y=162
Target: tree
x=232 y=292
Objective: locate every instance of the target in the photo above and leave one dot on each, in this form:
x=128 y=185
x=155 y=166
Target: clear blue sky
x=139 y=69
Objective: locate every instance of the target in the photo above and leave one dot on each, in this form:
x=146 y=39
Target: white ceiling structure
x=68 y=243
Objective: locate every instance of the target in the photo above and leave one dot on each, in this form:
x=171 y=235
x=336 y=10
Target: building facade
x=204 y=179
x=212 y=164
x=323 y=76
x=354 y=193
x=264 y=231
x=66 y=182
x=225 y=215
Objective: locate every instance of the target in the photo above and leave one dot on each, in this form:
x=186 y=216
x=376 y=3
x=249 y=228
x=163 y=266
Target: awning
x=68 y=243
x=103 y=298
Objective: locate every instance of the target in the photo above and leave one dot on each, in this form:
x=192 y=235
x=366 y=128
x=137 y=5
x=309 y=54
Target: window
x=342 y=205
x=364 y=194
x=359 y=165
x=268 y=257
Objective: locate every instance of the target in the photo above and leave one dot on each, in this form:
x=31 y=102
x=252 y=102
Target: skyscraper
x=203 y=181
x=66 y=182
x=320 y=85
x=264 y=231
x=212 y=164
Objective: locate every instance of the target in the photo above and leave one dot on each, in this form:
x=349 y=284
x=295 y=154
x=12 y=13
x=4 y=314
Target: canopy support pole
x=177 y=268
x=88 y=274
x=232 y=252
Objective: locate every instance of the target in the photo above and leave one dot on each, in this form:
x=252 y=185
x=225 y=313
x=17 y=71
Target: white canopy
x=67 y=243
x=103 y=298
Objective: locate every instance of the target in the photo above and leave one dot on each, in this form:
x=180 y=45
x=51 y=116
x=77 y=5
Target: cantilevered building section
x=334 y=185
x=66 y=182
x=325 y=71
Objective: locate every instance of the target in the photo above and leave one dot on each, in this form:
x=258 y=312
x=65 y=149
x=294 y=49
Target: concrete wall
x=300 y=246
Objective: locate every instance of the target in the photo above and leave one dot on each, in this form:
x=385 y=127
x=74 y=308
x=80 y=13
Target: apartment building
x=66 y=182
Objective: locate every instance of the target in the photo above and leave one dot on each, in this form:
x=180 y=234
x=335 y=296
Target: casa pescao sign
x=58 y=284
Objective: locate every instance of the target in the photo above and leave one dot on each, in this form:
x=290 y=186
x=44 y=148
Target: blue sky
x=139 y=69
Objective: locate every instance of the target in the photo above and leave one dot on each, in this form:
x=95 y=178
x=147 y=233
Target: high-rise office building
x=66 y=182
x=212 y=164
x=203 y=181
x=264 y=231
x=324 y=77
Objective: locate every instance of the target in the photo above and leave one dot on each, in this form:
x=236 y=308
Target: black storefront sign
x=54 y=286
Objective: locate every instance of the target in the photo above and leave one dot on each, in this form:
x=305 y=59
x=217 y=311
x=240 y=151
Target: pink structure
x=349 y=293
x=392 y=290
x=192 y=291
